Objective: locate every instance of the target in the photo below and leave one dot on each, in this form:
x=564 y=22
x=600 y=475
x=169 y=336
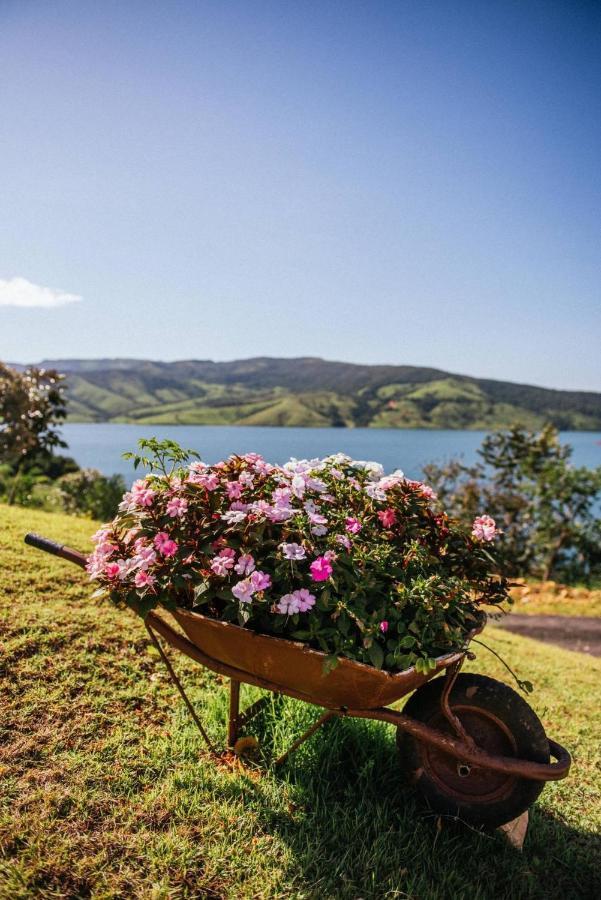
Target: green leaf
x=376 y=655
x=407 y=642
x=201 y=589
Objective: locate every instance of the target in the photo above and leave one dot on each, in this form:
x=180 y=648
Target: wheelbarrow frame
x=460 y=745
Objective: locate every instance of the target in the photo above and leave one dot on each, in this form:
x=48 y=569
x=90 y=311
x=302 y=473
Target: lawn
x=548 y=598
x=107 y=792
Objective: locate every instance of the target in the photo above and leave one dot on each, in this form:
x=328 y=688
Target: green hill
x=311 y=392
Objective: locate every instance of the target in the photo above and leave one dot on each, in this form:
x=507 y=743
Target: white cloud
x=20 y=292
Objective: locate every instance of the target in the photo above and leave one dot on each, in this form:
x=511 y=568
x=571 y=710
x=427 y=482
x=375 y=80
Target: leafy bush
x=547 y=508
x=91 y=493
x=332 y=552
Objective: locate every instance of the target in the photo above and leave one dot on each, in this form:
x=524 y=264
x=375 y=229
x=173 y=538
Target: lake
x=100 y=446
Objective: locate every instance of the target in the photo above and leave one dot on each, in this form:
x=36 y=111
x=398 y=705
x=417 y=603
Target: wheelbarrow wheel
x=502 y=723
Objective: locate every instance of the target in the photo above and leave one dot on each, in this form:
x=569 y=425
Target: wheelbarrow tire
x=501 y=722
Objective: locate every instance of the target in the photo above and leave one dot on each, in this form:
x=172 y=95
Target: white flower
x=298 y=485
x=374 y=469
x=233 y=516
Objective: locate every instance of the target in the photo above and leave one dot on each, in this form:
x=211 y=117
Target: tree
x=547 y=508
x=32 y=406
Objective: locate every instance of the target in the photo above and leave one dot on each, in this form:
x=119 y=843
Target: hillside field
x=107 y=792
x=311 y=392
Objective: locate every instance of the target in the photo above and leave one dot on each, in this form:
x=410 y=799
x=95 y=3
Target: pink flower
x=387 y=517
x=145 y=555
x=243 y=591
x=279 y=513
x=246 y=479
x=112 y=570
x=260 y=581
x=177 y=506
x=234 y=490
x=293 y=551
x=484 y=528
x=223 y=562
x=305 y=599
x=165 y=545
x=260 y=507
x=384 y=626
x=281 y=496
x=321 y=569
x=353 y=526
x=245 y=564
x=298 y=485
x=141 y=494
x=143 y=579
x=298 y=601
x=252 y=457
x=209 y=482
x=344 y=540
x=424 y=489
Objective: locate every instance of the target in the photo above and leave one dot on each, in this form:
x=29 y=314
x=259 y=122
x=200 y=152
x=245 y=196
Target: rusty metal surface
x=294 y=668
x=473 y=756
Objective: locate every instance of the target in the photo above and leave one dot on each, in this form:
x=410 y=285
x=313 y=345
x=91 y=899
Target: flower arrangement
x=329 y=551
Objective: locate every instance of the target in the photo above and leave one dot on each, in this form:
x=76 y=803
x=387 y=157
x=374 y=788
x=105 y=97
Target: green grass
x=107 y=792
x=549 y=598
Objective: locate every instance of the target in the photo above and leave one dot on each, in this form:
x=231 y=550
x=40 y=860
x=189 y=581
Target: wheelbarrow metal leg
x=327 y=715
x=180 y=688
x=234 y=718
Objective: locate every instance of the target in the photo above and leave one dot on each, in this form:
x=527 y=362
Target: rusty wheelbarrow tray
x=470 y=757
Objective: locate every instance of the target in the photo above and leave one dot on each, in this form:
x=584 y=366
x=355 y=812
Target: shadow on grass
x=355 y=828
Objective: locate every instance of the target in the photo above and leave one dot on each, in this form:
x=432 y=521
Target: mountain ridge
x=309 y=391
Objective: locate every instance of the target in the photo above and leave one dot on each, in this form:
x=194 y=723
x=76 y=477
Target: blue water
x=100 y=446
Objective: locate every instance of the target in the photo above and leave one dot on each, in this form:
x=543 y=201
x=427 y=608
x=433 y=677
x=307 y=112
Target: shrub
x=332 y=552
x=91 y=493
x=548 y=508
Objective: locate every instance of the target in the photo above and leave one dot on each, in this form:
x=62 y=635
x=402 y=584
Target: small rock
x=515 y=831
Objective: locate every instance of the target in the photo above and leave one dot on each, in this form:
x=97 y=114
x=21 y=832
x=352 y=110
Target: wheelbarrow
x=473 y=747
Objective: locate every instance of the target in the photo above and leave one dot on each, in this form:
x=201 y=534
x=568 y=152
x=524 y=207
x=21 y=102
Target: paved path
x=581 y=633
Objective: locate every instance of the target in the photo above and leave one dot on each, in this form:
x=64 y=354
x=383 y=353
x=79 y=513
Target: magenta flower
x=321 y=569
x=353 y=526
x=484 y=528
x=112 y=570
x=387 y=517
x=384 y=626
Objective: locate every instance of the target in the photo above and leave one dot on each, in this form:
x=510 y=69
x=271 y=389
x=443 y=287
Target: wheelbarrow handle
x=48 y=546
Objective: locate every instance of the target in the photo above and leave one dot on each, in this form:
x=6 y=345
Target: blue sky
x=403 y=182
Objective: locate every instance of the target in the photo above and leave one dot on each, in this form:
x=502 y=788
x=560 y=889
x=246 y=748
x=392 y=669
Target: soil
x=581 y=633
